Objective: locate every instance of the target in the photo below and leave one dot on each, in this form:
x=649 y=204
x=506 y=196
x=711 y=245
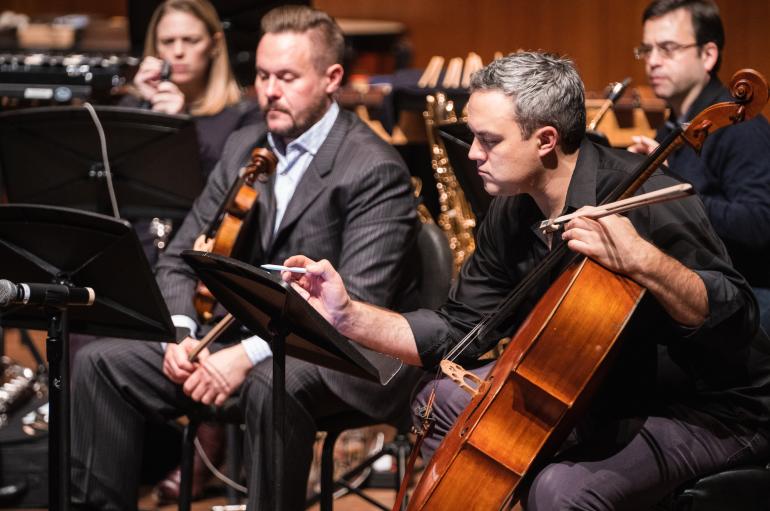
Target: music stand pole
x=278 y=347
x=57 y=352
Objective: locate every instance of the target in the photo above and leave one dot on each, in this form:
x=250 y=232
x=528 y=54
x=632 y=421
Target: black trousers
x=628 y=464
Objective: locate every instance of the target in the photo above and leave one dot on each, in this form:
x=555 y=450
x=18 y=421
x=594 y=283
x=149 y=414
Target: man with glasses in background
x=682 y=50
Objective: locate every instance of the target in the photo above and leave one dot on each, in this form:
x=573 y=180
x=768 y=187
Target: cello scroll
x=749 y=88
x=750 y=93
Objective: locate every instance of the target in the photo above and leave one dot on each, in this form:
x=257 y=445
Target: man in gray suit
x=339 y=193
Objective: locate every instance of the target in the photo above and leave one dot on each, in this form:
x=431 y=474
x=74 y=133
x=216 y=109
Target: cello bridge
x=464 y=379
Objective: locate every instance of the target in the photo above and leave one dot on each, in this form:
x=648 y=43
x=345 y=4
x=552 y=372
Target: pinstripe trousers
x=119 y=385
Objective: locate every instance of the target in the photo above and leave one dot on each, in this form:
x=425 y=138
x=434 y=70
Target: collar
x=710 y=94
x=310 y=141
x=582 y=187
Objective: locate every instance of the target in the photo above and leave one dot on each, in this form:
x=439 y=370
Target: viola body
x=222 y=238
x=223 y=244
x=531 y=399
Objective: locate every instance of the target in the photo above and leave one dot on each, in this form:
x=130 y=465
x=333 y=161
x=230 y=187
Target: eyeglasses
x=666 y=50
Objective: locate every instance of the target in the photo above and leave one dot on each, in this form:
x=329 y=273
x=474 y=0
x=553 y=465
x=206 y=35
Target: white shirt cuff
x=186 y=322
x=256 y=349
x=183 y=321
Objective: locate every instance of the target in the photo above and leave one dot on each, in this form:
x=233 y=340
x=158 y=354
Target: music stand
x=44 y=244
x=457 y=140
x=269 y=307
x=52 y=156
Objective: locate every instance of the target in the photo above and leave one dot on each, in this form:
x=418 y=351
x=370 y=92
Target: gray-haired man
x=700 y=405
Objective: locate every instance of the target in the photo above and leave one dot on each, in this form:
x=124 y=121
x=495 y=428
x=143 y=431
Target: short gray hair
x=546 y=90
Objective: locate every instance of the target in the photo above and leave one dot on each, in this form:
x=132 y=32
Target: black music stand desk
x=44 y=244
x=270 y=308
x=52 y=155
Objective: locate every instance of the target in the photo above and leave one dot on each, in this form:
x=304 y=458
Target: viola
x=523 y=410
x=222 y=234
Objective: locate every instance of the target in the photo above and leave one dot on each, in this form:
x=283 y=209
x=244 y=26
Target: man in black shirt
x=682 y=50
x=689 y=392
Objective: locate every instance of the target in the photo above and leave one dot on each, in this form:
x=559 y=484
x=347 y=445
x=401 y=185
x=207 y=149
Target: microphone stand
x=57 y=352
x=59 y=422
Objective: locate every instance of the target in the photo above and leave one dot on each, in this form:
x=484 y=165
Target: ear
x=547 y=139
x=709 y=53
x=334 y=78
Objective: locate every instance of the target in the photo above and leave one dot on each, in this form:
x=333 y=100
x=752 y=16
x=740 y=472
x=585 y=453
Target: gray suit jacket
x=353 y=206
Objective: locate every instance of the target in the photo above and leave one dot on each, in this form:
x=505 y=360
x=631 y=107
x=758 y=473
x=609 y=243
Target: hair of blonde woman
x=221 y=88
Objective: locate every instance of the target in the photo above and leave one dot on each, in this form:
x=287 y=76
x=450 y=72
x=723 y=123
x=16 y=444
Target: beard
x=300 y=122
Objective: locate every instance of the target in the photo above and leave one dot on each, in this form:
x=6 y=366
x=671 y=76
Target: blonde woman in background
x=187 y=35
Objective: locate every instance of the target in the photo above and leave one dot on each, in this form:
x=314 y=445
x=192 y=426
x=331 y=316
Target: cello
x=523 y=410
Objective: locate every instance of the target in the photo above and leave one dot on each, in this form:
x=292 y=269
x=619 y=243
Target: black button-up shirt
x=658 y=360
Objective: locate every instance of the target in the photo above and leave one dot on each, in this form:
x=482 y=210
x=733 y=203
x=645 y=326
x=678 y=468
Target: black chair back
x=435 y=276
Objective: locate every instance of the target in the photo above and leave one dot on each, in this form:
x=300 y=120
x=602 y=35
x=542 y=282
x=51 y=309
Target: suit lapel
x=313 y=181
x=267 y=210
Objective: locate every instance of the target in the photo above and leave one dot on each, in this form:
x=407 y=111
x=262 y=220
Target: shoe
x=211 y=436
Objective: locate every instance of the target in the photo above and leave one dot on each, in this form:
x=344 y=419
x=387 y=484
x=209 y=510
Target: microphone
x=165 y=71
x=56 y=295
x=165 y=75
x=618 y=89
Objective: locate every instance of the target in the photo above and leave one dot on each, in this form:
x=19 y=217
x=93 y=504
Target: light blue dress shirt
x=293 y=160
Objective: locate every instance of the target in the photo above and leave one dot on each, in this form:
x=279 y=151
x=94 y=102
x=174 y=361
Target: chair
x=745 y=488
x=230 y=413
x=434 y=278
x=399 y=448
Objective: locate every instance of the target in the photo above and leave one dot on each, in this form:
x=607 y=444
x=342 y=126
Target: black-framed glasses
x=666 y=50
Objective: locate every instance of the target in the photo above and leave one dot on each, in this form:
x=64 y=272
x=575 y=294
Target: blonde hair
x=221 y=88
